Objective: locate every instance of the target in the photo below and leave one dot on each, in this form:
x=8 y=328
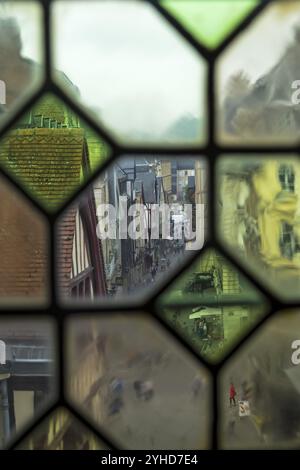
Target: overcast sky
x=128 y=63
x=136 y=70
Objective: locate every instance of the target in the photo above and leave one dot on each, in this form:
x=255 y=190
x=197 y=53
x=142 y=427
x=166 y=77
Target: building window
x=287 y=241
x=287 y=178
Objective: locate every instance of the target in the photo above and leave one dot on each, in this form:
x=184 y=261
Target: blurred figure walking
x=196 y=386
x=232 y=395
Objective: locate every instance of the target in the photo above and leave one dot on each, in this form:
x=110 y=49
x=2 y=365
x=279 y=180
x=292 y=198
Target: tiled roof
x=23 y=248
x=46 y=161
x=45 y=151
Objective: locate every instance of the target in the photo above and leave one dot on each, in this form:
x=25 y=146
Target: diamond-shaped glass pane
x=211 y=305
x=51 y=152
x=209 y=21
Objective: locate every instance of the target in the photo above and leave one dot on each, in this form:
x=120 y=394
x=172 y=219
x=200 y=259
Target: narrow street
x=140 y=278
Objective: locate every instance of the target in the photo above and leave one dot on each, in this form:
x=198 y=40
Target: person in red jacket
x=232 y=394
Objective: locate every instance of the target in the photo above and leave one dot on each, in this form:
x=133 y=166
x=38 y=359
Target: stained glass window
x=150 y=224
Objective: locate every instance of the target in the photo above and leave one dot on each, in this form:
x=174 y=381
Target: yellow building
x=260 y=214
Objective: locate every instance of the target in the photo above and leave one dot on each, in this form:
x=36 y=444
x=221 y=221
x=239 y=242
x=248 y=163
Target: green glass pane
x=212 y=306
x=210 y=278
x=50 y=152
x=209 y=21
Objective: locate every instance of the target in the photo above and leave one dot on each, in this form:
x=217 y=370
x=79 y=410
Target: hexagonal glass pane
x=23 y=251
x=51 y=152
x=258 y=80
x=61 y=431
x=131 y=59
x=143 y=390
x=27 y=373
x=21 y=52
x=209 y=21
x=260 y=388
x=258 y=204
x=212 y=306
x=132 y=229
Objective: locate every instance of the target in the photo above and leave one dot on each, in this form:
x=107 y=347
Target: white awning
x=204 y=312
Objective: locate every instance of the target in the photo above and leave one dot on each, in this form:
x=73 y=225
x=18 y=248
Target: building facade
x=259 y=208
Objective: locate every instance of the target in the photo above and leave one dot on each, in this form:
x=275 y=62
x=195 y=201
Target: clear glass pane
x=258 y=204
x=61 y=431
x=51 y=152
x=131 y=59
x=209 y=21
x=21 y=53
x=212 y=306
x=132 y=229
x=143 y=390
x=28 y=371
x=258 y=84
x=23 y=251
x=260 y=387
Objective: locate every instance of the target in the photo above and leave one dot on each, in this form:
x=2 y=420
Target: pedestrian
x=204 y=329
x=117 y=386
x=196 y=386
x=115 y=406
x=137 y=385
x=200 y=328
x=147 y=390
x=232 y=395
x=144 y=389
